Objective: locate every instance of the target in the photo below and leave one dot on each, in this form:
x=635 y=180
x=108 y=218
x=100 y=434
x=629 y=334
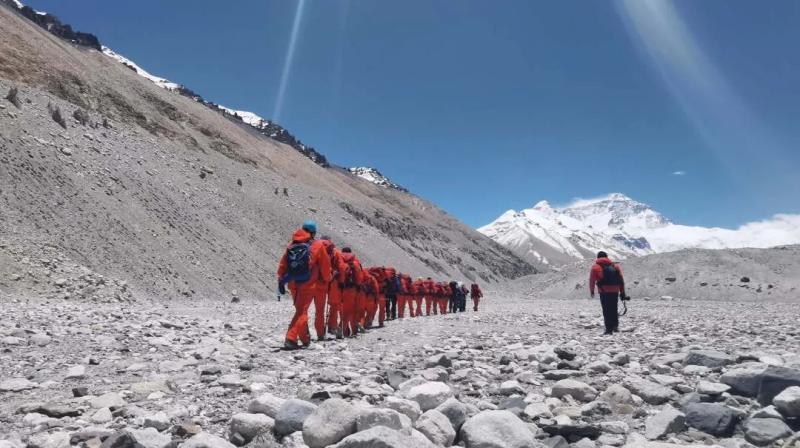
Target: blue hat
x=310 y=226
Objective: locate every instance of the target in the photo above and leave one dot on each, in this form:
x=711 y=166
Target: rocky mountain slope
x=705 y=274
x=622 y=227
x=157 y=190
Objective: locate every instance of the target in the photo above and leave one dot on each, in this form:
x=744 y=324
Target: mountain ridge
x=623 y=227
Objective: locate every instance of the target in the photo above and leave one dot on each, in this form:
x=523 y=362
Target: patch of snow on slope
x=161 y=82
x=374 y=176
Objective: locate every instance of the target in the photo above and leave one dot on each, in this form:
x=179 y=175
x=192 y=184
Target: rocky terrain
x=729 y=274
x=518 y=373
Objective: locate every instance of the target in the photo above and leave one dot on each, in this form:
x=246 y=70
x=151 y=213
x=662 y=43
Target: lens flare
x=287 y=63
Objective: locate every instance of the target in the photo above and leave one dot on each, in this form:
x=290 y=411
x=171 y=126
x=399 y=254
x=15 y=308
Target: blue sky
x=485 y=106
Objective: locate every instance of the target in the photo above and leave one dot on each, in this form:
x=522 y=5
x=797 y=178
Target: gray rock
x=291 y=415
x=712 y=418
x=160 y=421
x=788 y=401
x=58 y=439
x=537 y=410
x=496 y=429
x=617 y=394
x=102 y=415
x=743 y=381
x=378 y=437
x=429 y=395
x=332 y=421
x=774 y=380
x=40 y=339
x=511 y=387
x=409 y=408
x=206 y=440
x=265 y=440
x=764 y=431
x=708 y=358
x=17 y=385
x=76 y=372
x=439 y=360
x=709 y=388
x=556 y=442
x=668 y=421
x=436 y=427
x=372 y=417
x=577 y=389
x=651 y=392
x=267 y=404
x=149 y=438
x=455 y=411
x=110 y=400
x=248 y=426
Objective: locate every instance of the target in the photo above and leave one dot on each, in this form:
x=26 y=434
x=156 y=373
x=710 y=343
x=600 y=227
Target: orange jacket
x=475 y=291
x=338 y=266
x=350 y=258
x=406 y=285
x=371 y=286
x=428 y=287
x=438 y=290
x=418 y=288
x=319 y=261
x=596 y=274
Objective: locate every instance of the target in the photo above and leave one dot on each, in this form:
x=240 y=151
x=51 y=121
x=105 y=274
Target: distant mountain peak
x=373 y=175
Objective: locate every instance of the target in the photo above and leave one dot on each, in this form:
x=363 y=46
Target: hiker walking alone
x=607 y=275
x=302 y=266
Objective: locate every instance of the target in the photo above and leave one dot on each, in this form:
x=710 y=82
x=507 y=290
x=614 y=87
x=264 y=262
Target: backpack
x=298 y=256
x=350 y=273
x=610 y=276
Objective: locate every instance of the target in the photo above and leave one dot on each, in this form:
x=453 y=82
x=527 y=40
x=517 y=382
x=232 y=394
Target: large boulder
x=788 y=401
x=436 y=427
x=578 y=390
x=764 y=431
x=712 y=418
x=291 y=416
x=248 y=426
x=378 y=437
x=668 y=421
x=149 y=438
x=496 y=429
x=331 y=422
x=774 y=380
x=429 y=395
x=708 y=358
x=744 y=380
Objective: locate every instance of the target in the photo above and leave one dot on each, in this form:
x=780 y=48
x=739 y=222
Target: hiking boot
x=607 y=333
x=360 y=329
x=339 y=334
x=290 y=345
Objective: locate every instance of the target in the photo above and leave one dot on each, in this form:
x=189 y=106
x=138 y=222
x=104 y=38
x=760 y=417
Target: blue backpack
x=299 y=257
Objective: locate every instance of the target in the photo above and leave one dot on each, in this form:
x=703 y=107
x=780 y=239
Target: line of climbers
x=317 y=272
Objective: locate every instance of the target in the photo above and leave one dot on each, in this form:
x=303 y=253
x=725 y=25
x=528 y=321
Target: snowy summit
x=374 y=176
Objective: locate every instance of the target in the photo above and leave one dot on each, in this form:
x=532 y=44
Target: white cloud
x=679 y=173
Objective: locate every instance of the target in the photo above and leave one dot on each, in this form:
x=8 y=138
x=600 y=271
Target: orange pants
x=381 y=309
x=370 y=308
x=401 y=306
x=320 y=299
x=335 y=304
x=475 y=302
x=442 y=306
x=302 y=296
x=361 y=308
x=349 y=299
x=418 y=303
x=428 y=303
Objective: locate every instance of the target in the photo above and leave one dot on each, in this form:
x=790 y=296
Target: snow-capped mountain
x=622 y=227
x=374 y=176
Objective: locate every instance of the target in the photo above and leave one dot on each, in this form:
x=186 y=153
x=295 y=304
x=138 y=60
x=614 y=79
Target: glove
x=281 y=288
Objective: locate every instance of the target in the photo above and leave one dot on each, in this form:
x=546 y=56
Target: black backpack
x=299 y=257
x=350 y=274
x=610 y=276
